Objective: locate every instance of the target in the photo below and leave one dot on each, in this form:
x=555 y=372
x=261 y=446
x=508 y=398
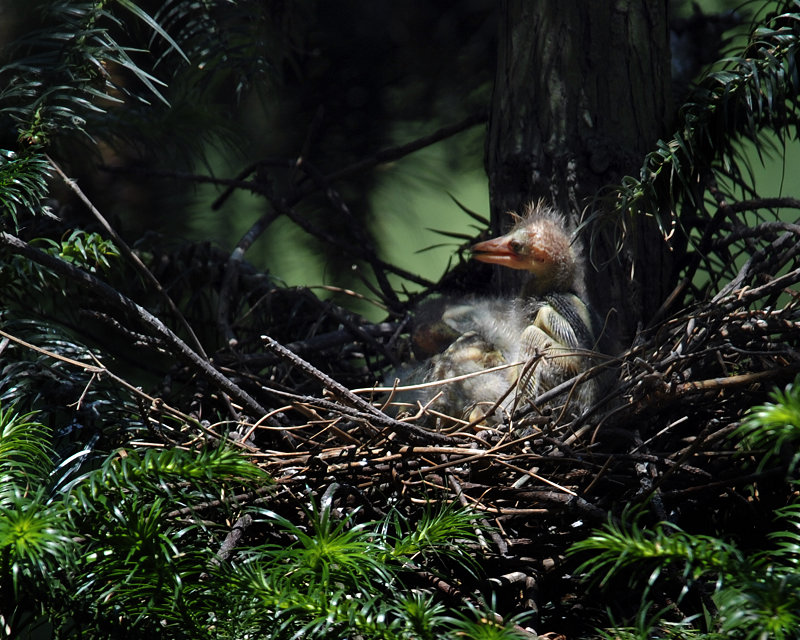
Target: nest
x=543 y=477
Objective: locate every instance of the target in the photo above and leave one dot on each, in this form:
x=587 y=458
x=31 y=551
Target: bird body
x=549 y=326
x=562 y=332
x=488 y=337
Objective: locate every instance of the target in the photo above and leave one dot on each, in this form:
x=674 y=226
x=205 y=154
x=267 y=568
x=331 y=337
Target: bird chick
x=548 y=324
x=487 y=343
x=540 y=243
x=561 y=329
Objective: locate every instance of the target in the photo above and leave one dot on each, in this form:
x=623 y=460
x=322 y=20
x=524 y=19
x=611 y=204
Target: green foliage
x=747 y=98
x=125 y=545
x=479 y=625
x=88 y=250
x=35 y=536
x=121 y=550
x=774 y=427
x=109 y=547
x=35 y=540
x=250 y=41
x=626 y=544
x=114 y=72
x=136 y=558
x=67 y=77
x=752 y=92
x=75 y=68
x=433 y=530
x=34 y=287
x=766 y=607
x=755 y=595
x=341 y=578
x=763 y=599
x=752 y=595
x=159 y=470
x=23 y=183
x=25 y=453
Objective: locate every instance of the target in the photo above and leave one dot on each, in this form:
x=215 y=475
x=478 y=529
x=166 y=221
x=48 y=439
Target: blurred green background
x=412 y=196
x=337 y=82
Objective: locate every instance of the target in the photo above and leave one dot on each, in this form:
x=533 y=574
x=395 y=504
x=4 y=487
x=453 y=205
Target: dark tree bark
x=582 y=93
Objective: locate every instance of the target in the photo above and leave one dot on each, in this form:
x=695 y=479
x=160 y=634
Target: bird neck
x=561 y=279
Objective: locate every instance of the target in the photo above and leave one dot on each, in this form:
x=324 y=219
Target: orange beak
x=499 y=251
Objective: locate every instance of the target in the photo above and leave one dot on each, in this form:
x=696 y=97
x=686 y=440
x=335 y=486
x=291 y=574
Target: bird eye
x=515 y=246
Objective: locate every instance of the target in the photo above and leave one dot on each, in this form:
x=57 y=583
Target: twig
x=98 y=369
x=717 y=384
x=395 y=153
x=130 y=255
x=228 y=288
x=111 y=295
x=232 y=539
x=309 y=227
x=344 y=394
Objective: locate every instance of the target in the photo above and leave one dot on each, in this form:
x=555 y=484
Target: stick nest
x=660 y=436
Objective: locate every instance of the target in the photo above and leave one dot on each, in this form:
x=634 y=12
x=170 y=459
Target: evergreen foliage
x=748 y=100
x=129 y=548
x=748 y=595
x=24 y=183
x=775 y=427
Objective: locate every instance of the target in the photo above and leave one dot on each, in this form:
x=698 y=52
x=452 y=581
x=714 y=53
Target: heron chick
x=549 y=325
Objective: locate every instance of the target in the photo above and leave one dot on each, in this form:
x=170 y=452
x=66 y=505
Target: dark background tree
x=582 y=93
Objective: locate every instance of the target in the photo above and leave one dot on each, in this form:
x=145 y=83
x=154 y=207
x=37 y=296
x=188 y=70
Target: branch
x=344 y=394
x=395 y=153
x=99 y=369
x=283 y=206
x=763 y=203
x=314 y=230
x=109 y=294
x=126 y=250
x=228 y=289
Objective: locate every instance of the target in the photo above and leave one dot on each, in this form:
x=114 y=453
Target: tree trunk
x=582 y=93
